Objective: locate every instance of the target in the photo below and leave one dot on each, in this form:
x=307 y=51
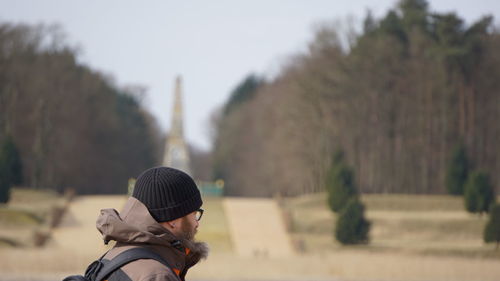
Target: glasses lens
x=199 y=213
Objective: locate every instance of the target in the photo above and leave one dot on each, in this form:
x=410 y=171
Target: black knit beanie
x=167 y=193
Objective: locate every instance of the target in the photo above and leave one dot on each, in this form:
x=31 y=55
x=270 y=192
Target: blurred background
x=331 y=140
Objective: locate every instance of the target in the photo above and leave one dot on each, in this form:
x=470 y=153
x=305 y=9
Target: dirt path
x=257 y=228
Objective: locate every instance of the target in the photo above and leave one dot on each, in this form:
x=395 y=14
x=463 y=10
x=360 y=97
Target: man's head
x=172 y=199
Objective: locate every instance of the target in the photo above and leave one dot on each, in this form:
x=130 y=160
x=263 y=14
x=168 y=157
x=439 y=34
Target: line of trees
x=407 y=90
x=72 y=126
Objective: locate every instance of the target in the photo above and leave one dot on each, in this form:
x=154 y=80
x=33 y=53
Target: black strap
x=127 y=257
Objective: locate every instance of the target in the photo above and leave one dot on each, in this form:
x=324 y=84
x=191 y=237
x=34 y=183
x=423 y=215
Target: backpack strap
x=127 y=257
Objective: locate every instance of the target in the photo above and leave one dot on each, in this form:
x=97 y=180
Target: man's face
x=185 y=227
x=188 y=226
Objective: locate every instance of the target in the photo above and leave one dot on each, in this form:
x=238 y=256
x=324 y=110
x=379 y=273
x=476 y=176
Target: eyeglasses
x=199 y=214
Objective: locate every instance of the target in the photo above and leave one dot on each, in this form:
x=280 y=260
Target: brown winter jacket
x=135 y=227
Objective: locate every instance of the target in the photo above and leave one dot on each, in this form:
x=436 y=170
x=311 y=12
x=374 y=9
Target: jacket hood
x=135 y=225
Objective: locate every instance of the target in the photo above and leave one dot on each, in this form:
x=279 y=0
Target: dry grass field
x=412 y=238
x=27 y=212
x=76 y=242
x=71 y=246
x=414 y=224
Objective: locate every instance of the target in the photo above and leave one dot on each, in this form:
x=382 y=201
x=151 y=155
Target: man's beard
x=188 y=230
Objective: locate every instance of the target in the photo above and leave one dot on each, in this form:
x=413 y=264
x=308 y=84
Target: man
x=162 y=215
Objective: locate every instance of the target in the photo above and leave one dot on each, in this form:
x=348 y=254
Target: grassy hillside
x=420 y=224
x=27 y=212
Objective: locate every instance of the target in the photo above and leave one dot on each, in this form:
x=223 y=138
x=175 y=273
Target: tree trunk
x=461 y=110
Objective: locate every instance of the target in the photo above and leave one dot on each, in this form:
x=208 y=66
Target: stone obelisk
x=176 y=151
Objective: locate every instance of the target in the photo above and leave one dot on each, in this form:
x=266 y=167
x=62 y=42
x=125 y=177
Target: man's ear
x=170 y=225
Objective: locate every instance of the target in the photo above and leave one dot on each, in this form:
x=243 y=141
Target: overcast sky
x=211 y=44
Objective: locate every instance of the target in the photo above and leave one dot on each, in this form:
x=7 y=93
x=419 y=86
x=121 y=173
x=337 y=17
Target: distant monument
x=176 y=151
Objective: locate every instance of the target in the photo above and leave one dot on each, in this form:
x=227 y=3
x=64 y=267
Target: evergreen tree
x=392 y=25
x=243 y=92
x=352 y=227
x=492 y=230
x=10 y=168
x=369 y=24
x=479 y=194
x=338 y=158
x=340 y=183
x=456 y=174
x=414 y=13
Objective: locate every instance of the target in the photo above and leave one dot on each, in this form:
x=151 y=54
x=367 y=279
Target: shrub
x=340 y=186
x=352 y=227
x=456 y=174
x=492 y=230
x=479 y=193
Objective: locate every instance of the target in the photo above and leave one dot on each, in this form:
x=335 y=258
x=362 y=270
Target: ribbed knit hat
x=167 y=193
